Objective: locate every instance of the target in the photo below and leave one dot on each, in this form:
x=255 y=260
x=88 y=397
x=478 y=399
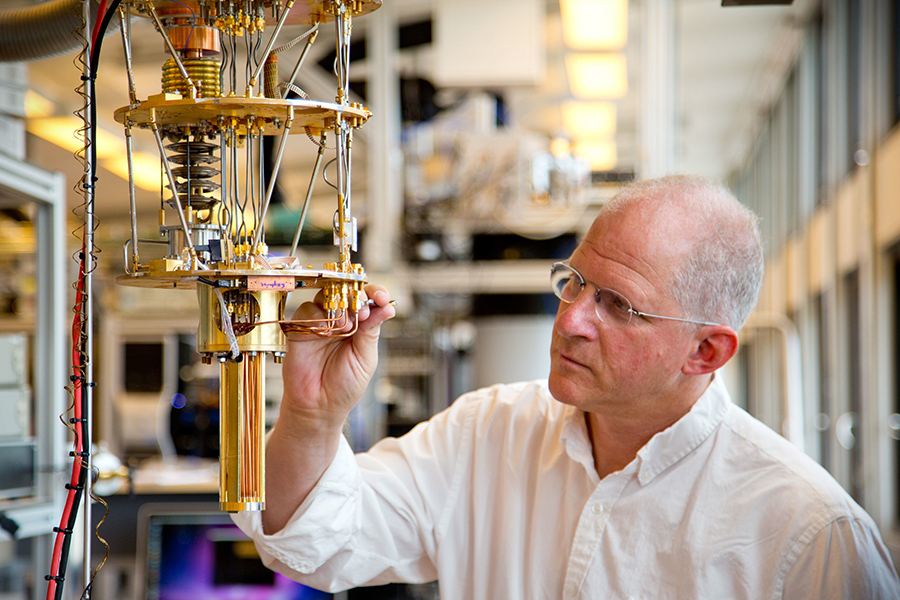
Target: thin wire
x=325 y=173
x=193 y=23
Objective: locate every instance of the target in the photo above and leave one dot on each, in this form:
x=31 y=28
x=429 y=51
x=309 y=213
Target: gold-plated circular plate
x=321 y=11
x=187 y=280
x=170 y=110
x=303 y=11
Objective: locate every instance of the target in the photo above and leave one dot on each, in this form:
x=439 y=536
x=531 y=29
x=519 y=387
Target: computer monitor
x=194 y=552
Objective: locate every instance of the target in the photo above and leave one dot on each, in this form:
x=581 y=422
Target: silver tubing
x=341 y=125
x=309 y=192
x=86 y=389
x=265 y=54
x=309 y=43
x=223 y=182
x=248 y=167
x=274 y=178
x=131 y=198
x=125 y=27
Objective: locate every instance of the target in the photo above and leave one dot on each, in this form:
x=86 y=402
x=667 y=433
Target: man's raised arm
x=324 y=378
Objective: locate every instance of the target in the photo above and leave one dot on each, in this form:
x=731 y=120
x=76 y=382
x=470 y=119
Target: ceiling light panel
x=594 y=24
x=589 y=119
x=597 y=76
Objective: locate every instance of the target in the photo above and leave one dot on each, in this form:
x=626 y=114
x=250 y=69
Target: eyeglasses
x=612 y=308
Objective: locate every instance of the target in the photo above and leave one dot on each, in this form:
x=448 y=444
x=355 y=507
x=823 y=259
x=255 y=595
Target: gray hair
x=721 y=276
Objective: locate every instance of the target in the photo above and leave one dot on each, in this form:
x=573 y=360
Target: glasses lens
x=566 y=282
x=612 y=308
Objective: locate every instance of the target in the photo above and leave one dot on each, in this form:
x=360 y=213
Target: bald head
x=713 y=238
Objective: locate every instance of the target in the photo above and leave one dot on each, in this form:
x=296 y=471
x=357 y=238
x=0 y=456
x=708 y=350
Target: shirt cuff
x=322 y=525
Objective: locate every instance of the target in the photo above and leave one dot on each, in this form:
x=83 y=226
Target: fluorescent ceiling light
x=594 y=24
x=37 y=106
x=589 y=119
x=145 y=167
x=600 y=154
x=110 y=149
x=595 y=76
x=61 y=131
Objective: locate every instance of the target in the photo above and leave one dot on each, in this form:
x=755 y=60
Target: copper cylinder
x=194 y=41
x=270 y=77
x=242 y=466
x=189 y=33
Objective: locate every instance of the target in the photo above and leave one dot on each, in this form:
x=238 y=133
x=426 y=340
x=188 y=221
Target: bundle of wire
x=80 y=426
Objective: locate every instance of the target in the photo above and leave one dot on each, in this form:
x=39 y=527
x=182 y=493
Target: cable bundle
x=79 y=424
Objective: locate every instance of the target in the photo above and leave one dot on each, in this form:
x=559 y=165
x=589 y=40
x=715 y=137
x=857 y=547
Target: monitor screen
x=144 y=367
x=204 y=556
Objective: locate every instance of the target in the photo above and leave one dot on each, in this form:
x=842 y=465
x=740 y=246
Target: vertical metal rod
x=273 y=180
x=238 y=214
x=309 y=43
x=223 y=179
x=159 y=27
x=260 y=175
x=88 y=333
x=341 y=129
x=188 y=238
x=131 y=199
x=125 y=22
x=259 y=67
x=248 y=165
x=309 y=192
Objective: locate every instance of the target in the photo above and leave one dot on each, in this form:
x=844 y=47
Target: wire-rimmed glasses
x=611 y=307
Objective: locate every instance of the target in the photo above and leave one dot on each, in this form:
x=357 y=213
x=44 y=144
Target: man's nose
x=578 y=317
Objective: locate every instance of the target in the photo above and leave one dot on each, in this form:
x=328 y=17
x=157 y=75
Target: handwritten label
x=259 y=283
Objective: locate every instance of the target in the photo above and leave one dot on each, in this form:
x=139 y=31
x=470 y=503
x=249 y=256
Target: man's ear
x=714 y=346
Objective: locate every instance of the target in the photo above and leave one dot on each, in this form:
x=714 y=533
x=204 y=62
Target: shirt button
x=571 y=590
x=597 y=508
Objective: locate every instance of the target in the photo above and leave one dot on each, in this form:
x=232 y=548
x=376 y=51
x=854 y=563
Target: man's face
x=603 y=368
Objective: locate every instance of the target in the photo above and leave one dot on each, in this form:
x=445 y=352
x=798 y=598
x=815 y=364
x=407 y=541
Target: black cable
x=84 y=441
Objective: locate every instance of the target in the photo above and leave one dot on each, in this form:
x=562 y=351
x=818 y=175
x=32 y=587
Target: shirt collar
x=666 y=447
x=671 y=445
x=574 y=438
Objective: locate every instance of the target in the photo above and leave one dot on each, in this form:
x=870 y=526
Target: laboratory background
x=176 y=177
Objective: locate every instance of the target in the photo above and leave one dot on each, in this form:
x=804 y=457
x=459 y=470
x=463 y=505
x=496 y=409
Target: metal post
x=385 y=157
x=657 y=89
x=87 y=391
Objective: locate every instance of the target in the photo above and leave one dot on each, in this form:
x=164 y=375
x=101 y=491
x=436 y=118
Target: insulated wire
x=80 y=337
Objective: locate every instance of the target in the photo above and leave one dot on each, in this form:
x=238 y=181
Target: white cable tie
x=226 y=325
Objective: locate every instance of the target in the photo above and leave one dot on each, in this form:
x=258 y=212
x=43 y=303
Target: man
x=628 y=473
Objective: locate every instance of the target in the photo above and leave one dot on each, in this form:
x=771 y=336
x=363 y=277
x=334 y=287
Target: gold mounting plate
x=303 y=11
x=187 y=280
x=218 y=113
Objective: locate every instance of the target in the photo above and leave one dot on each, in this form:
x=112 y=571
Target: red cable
x=79 y=432
x=77 y=383
x=101 y=10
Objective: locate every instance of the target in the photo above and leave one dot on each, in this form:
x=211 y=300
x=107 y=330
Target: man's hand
x=324 y=378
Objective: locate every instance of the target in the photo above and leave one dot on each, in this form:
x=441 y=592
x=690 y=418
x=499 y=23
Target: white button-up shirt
x=498 y=498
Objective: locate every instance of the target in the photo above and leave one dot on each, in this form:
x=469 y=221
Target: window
x=856 y=85
x=853 y=407
x=823 y=418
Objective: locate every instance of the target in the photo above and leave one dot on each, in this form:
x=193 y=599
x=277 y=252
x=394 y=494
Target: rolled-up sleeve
x=844 y=559
x=375 y=517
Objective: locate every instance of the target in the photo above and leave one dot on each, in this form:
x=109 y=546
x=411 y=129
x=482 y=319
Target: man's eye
x=620 y=304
